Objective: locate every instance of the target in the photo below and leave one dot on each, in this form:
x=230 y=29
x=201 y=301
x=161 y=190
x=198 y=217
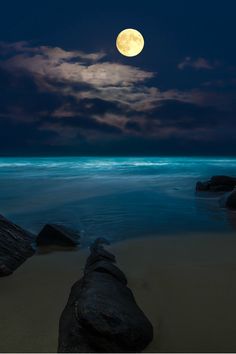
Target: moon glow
x=130 y=42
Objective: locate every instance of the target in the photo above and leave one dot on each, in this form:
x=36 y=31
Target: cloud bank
x=68 y=96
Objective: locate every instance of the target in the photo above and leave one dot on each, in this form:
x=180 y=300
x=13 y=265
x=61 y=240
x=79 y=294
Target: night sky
x=65 y=89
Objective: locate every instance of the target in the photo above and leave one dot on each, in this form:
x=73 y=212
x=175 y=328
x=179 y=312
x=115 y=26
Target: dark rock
x=53 y=234
x=107 y=267
x=223 y=180
x=15 y=246
x=202 y=186
x=99 y=254
x=220 y=188
x=101 y=314
x=98 y=243
x=217 y=184
x=231 y=200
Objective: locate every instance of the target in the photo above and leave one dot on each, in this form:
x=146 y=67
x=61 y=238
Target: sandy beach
x=185 y=285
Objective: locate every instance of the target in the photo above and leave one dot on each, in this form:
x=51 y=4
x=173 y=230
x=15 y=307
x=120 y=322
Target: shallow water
x=118 y=198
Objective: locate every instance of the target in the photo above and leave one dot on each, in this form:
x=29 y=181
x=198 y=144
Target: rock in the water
x=54 y=234
x=15 y=246
x=101 y=314
x=202 y=186
x=231 y=200
x=217 y=184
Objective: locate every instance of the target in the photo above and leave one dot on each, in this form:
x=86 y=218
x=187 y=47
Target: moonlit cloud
x=57 y=70
x=52 y=53
x=83 y=96
x=71 y=66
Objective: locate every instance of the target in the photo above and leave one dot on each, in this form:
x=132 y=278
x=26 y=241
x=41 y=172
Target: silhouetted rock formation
x=101 y=314
x=217 y=184
x=231 y=200
x=15 y=246
x=53 y=234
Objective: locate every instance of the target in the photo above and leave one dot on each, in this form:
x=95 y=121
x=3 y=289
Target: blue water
x=117 y=198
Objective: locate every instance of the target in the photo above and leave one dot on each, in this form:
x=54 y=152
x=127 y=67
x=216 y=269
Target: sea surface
x=117 y=198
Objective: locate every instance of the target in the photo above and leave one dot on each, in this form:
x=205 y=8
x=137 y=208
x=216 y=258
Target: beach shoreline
x=185 y=285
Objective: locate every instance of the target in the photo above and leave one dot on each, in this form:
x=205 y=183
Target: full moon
x=130 y=42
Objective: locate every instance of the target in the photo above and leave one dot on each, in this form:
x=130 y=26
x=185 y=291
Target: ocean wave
x=15 y=164
x=113 y=163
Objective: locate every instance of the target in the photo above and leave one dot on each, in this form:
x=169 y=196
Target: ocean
x=116 y=198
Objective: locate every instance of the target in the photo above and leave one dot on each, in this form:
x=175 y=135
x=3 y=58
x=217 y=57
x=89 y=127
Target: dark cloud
x=56 y=98
x=197 y=64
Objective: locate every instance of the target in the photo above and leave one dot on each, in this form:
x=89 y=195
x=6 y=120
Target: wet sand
x=186 y=286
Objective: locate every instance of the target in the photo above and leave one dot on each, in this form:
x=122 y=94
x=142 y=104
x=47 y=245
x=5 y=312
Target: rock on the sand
x=217 y=184
x=15 y=246
x=101 y=314
x=231 y=200
x=55 y=234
